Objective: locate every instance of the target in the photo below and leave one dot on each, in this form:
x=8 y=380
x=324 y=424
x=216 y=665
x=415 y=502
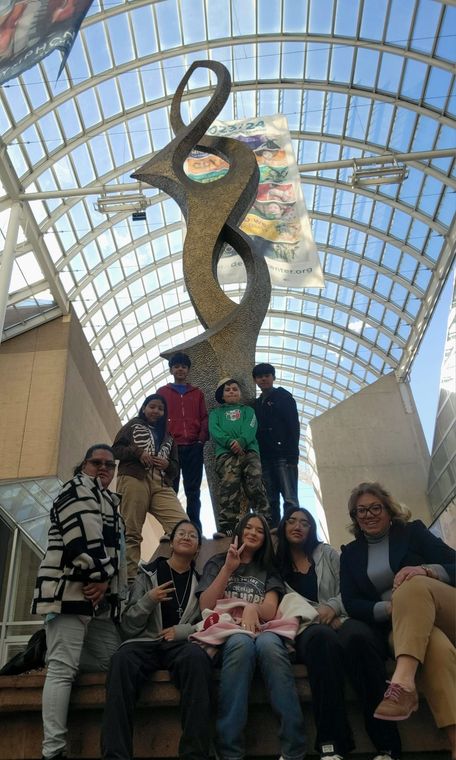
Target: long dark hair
x=264 y=556
x=162 y=425
x=88 y=454
x=283 y=554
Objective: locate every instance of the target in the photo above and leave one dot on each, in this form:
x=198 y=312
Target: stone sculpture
x=213 y=213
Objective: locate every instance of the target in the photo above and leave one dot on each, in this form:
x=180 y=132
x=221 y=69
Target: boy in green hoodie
x=233 y=427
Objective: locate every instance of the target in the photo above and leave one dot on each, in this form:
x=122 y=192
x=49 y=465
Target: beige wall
x=53 y=401
x=375 y=434
x=88 y=414
x=32 y=377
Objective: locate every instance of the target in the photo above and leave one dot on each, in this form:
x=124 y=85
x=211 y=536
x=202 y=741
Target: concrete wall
x=375 y=434
x=53 y=401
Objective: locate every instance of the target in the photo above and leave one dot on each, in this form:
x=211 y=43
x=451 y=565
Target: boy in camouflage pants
x=233 y=427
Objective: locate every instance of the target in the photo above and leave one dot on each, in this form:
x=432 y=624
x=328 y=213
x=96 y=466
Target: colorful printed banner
x=277 y=223
x=31 y=29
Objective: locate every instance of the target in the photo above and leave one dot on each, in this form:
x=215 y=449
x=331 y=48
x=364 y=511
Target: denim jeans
x=240 y=654
x=74 y=642
x=280 y=476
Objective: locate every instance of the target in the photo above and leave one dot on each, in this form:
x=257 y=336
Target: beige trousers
x=424 y=627
x=138 y=498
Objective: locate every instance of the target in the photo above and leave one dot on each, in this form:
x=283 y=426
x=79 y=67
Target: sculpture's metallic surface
x=213 y=212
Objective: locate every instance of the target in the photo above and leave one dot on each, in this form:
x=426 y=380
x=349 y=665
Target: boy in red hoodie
x=187 y=423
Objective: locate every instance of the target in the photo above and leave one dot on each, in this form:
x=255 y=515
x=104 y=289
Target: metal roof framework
x=358 y=80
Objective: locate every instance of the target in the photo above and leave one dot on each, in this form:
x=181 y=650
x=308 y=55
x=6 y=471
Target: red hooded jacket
x=187 y=414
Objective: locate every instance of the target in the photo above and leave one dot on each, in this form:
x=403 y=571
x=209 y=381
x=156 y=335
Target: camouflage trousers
x=238 y=472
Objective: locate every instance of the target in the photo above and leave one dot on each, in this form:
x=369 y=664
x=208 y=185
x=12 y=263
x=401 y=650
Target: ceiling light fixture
x=114 y=204
x=384 y=174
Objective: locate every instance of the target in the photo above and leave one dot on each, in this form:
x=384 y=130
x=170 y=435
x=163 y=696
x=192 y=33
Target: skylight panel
x=109 y=99
x=346 y=20
x=425 y=26
x=357 y=121
x=336 y=104
x=118 y=30
x=218 y=19
x=168 y=25
x=131 y=90
x=373 y=21
x=414 y=78
x=89 y=108
x=438 y=88
x=269 y=60
x=292 y=61
x=51 y=132
x=143 y=23
x=192 y=13
x=268 y=16
x=445 y=45
x=399 y=22
x=402 y=134
x=380 y=123
x=317 y=59
x=98 y=47
x=35 y=88
x=366 y=67
x=312 y=117
x=320 y=16
x=34 y=148
x=245 y=62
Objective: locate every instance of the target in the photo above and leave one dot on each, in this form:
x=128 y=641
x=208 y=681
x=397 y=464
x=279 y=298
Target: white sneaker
x=383 y=757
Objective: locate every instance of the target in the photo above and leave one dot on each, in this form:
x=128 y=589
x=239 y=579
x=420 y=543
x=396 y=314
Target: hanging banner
x=277 y=223
x=31 y=29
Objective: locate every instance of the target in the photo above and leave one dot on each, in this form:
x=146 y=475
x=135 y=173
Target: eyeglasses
x=373 y=509
x=183 y=534
x=297 y=521
x=110 y=465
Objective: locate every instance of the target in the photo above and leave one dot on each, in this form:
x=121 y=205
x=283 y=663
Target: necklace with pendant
x=180 y=610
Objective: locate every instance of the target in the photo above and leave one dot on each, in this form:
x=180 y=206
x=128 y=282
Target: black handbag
x=31 y=658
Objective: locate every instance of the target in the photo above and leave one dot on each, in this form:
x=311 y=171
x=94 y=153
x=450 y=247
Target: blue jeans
x=240 y=654
x=280 y=476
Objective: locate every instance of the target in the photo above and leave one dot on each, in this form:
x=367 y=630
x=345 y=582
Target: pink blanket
x=224 y=621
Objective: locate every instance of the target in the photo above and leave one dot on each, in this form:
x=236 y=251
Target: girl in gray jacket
x=331 y=646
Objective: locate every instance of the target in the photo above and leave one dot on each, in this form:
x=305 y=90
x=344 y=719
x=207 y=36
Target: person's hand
x=336 y=623
x=147 y=459
x=406 y=573
x=233 y=556
x=250 y=620
x=236 y=447
x=326 y=614
x=95 y=591
x=161 y=593
x=160 y=462
x=389 y=608
x=169 y=634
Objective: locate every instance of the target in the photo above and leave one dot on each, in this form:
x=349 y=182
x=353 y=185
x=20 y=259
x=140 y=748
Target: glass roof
x=356 y=79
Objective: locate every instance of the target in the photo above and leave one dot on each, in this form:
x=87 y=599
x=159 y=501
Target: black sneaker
x=228 y=533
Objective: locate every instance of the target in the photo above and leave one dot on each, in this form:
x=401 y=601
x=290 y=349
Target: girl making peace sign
x=247 y=572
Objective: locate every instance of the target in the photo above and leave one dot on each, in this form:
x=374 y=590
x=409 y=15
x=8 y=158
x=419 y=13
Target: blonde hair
x=397 y=512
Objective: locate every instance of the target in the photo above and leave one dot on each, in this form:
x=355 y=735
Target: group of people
x=256 y=450
x=391 y=590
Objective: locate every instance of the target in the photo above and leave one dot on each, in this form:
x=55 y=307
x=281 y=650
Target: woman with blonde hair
x=396 y=575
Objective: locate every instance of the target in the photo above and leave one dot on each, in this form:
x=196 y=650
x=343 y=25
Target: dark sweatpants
x=360 y=651
x=131 y=666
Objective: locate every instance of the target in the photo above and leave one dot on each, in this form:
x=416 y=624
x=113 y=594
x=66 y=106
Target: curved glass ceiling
x=356 y=79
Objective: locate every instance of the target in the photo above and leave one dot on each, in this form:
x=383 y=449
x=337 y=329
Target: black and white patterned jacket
x=84 y=545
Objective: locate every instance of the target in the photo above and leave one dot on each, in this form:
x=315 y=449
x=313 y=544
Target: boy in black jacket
x=278 y=437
